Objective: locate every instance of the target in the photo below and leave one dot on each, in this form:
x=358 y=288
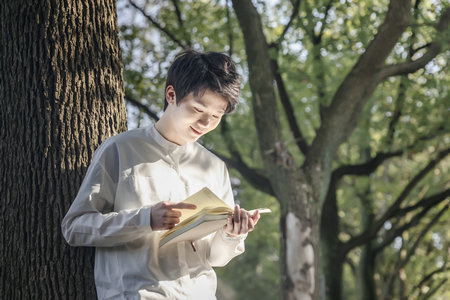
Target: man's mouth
x=196 y=131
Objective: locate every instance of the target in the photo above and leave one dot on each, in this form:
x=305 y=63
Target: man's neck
x=163 y=127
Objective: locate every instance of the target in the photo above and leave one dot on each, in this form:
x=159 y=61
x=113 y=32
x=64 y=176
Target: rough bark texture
x=61 y=94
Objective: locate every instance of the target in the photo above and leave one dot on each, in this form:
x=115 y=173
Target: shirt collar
x=171 y=148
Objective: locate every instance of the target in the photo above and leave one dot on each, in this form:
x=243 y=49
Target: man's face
x=194 y=116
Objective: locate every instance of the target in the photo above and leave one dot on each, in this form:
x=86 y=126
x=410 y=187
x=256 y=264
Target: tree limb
x=229 y=29
x=402 y=262
x=289 y=109
x=394 y=208
x=397 y=111
x=427 y=277
x=370 y=166
x=393 y=233
x=425 y=202
x=365 y=168
x=141 y=106
x=157 y=25
x=342 y=116
x=433 y=50
x=181 y=22
x=253 y=176
x=267 y=120
x=229 y=141
x=434 y=290
x=318 y=38
x=294 y=15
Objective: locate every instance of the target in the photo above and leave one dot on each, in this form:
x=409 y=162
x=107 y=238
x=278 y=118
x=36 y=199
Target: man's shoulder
x=132 y=135
x=124 y=141
x=205 y=153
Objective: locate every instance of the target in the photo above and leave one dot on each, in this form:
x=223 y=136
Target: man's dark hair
x=196 y=72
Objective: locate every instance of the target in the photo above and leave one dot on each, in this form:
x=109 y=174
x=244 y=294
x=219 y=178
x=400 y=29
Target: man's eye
x=198 y=110
x=216 y=117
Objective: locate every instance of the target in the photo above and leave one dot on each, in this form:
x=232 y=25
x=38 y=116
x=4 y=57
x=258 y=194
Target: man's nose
x=204 y=121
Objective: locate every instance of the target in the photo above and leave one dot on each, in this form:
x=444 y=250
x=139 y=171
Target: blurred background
x=388 y=194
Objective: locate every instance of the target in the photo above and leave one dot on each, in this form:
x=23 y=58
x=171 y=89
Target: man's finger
x=244 y=222
x=237 y=214
x=255 y=217
x=251 y=225
x=229 y=225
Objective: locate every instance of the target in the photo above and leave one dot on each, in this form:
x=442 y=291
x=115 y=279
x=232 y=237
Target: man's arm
x=228 y=242
x=91 y=219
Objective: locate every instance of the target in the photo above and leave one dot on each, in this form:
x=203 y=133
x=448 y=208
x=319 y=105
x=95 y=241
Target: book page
x=204 y=198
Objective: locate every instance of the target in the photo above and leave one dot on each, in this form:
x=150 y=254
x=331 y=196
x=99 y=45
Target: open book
x=210 y=215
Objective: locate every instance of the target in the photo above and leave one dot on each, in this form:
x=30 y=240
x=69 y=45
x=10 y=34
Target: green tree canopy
x=356 y=94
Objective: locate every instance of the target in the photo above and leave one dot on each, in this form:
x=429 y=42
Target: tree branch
x=434 y=290
x=141 y=106
x=427 y=277
x=229 y=29
x=397 y=111
x=322 y=28
x=253 y=176
x=181 y=22
x=370 y=166
x=157 y=25
x=342 y=116
x=394 y=208
x=433 y=50
x=289 y=109
x=231 y=145
x=392 y=234
x=425 y=202
x=267 y=120
x=402 y=262
x=365 y=168
x=294 y=15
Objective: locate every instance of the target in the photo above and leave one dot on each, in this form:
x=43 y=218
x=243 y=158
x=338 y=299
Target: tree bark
x=368 y=254
x=301 y=191
x=299 y=225
x=61 y=94
x=331 y=256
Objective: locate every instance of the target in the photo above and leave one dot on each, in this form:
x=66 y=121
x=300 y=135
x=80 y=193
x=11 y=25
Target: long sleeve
x=91 y=220
x=222 y=247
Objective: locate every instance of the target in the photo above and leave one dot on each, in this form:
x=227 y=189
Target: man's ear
x=170 y=95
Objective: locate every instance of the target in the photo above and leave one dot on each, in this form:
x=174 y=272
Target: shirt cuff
x=227 y=237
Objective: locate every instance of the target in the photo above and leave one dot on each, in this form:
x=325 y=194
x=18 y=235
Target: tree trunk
x=331 y=255
x=368 y=255
x=61 y=94
x=291 y=185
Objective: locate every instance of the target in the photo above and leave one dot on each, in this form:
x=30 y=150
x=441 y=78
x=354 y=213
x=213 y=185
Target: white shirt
x=129 y=173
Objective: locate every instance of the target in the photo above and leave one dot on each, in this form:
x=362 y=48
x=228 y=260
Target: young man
x=135 y=183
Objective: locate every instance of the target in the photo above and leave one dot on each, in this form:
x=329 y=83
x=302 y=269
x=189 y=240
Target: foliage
x=312 y=71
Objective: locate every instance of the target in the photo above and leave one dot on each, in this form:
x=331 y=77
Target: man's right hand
x=164 y=216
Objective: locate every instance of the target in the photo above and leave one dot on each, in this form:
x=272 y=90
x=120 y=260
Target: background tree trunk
x=61 y=94
x=299 y=226
x=329 y=67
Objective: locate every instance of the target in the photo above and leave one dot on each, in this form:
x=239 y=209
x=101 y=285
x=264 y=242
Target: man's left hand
x=241 y=222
